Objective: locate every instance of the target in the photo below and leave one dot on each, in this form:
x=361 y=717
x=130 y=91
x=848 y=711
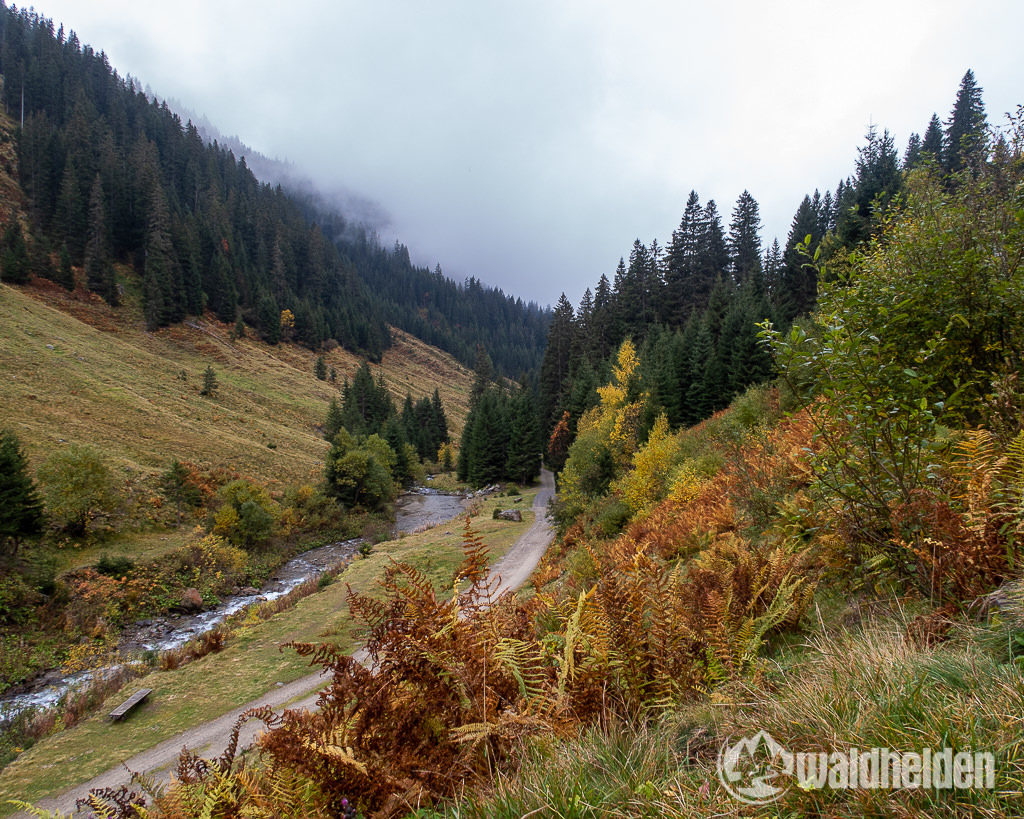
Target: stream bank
x=414 y=510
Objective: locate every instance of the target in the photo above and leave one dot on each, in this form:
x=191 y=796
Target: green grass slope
x=77 y=371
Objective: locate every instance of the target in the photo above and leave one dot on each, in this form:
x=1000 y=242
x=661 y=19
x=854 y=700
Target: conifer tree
x=524 y=454
x=745 y=239
x=210 y=384
x=931 y=144
x=334 y=421
x=177 y=487
x=483 y=453
x=912 y=155
x=798 y=284
x=99 y=272
x=584 y=335
x=582 y=392
x=161 y=278
x=394 y=434
x=875 y=185
x=554 y=369
x=65 y=275
x=268 y=318
x=71 y=214
x=14 y=263
x=440 y=421
x=681 y=262
x=704 y=376
x=21 y=510
x=602 y=324
x=713 y=260
x=483 y=373
x=964 y=140
x=366 y=403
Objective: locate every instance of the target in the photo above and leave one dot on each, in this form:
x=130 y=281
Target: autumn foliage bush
x=959 y=539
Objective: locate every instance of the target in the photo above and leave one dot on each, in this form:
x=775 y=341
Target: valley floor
x=79 y=749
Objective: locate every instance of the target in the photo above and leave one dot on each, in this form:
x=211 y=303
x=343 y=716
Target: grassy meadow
x=77 y=371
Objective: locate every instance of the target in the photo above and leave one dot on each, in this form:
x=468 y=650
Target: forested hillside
x=110 y=175
x=692 y=305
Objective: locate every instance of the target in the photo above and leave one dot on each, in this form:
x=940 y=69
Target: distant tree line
x=113 y=176
x=692 y=308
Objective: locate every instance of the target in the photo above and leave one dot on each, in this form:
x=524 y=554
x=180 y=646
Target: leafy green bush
x=911 y=338
x=247 y=514
x=115 y=566
x=610 y=516
x=17 y=599
x=78 y=487
x=358 y=471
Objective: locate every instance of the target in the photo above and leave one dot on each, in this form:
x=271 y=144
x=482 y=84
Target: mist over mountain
x=359 y=210
x=118 y=184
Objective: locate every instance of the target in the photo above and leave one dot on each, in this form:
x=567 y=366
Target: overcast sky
x=529 y=143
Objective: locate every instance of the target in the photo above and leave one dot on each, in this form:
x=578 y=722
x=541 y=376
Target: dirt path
x=211 y=738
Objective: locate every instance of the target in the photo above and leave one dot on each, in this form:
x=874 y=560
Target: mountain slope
x=112 y=176
x=77 y=370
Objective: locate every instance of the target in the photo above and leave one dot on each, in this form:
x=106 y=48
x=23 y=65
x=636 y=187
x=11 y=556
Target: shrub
x=911 y=336
x=209 y=564
x=115 y=566
x=78 y=487
x=179 y=485
x=247 y=515
x=358 y=471
x=308 y=509
x=17 y=599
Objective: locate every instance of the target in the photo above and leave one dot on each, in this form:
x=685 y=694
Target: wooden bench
x=134 y=700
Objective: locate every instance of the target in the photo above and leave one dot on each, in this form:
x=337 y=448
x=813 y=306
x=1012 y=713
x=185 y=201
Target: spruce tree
x=554 y=369
x=440 y=421
x=912 y=154
x=524 y=453
x=483 y=373
x=602 y=321
x=964 y=140
x=65 y=275
x=334 y=420
x=797 y=290
x=713 y=258
x=745 y=239
x=681 y=263
x=931 y=144
x=99 y=272
x=210 y=384
x=161 y=277
x=877 y=182
x=394 y=434
x=773 y=267
x=14 y=263
x=21 y=510
x=704 y=376
x=177 y=486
